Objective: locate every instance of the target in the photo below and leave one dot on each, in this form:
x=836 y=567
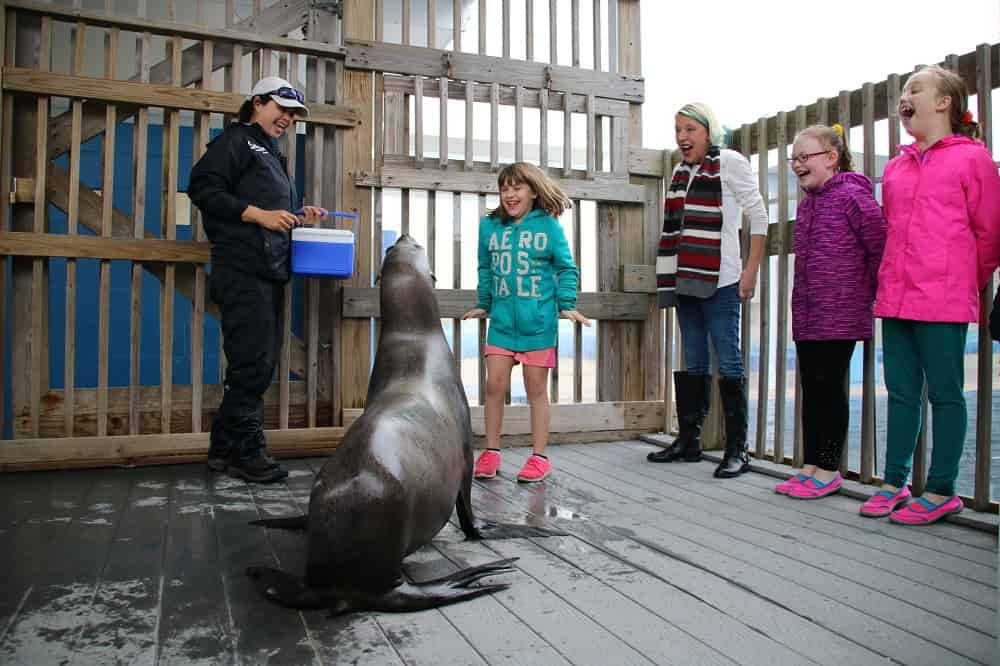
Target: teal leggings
x=913 y=351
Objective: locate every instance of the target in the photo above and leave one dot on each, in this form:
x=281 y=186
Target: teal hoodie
x=526 y=276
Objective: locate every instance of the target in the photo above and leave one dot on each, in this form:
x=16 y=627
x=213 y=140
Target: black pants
x=824 y=366
x=251 y=311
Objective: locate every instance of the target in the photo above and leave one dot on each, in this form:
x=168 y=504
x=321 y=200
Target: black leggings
x=823 y=367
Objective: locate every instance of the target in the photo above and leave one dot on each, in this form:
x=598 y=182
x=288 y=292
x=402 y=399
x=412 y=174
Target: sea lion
x=392 y=483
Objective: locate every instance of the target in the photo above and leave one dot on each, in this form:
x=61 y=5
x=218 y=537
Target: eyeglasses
x=285 y=92
x=805 y=157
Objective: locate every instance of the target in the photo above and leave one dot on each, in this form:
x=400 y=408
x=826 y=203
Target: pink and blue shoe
x=783 y=487
x=922 y=511
x=813 y=488
x=884 y=502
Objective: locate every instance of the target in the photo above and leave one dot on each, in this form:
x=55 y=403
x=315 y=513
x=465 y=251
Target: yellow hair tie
x=838 y=128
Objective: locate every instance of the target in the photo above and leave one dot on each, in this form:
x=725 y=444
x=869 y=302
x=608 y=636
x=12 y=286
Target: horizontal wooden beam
x=133 y=449
x=417 y=60
x=645 y=161
x=363 y=302
x=18 y=79
x=481 y=93
x=103 y=19
x=584 y=417
x=404 y=173
x=26 y=244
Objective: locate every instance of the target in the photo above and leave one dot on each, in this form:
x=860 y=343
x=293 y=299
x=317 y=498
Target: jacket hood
x=849 y=178
x=945 y=142
x=535 y=212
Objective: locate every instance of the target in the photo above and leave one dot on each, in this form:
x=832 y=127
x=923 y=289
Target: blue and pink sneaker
x=884 y=502
x=783 y=487
x=813 y=488
x=922 y=511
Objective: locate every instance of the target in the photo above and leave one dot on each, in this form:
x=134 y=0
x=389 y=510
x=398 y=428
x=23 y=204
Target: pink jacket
x=943 y=242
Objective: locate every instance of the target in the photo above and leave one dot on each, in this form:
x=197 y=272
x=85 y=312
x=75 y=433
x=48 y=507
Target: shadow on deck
x=663 y=565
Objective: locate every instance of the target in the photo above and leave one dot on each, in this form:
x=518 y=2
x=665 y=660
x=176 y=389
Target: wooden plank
x=645 y=161
x=363 y=302
x=124 y=448
x=844 y=118
x=316 y=79
x=867 y=463
x=553 y=31
x=456 y=30
x=481 y=325
x=494 y=127
x=355 y=339
x=25 y=244
x=149 y=94
x=567 y=158
x=543 y=129
x=140 y=141
x=798 y=451
x=456 y=272
x=781 y=355
x=575 y=31
x=252 y=32
x=529 y=30
x=531 y=98
x=403 y=174
x=592 y=139
x=505 y=27
x=518 y=124
x=400 y=59
x=984 y=407
x=597 y=34
x=418 y=120
x=406 y=19
x=431 y=23
x=201 y=137
x=6 y=145
x=639 y=278
x=482 y=27
x=578 y=328
x=443 y=125
x=469 y=131
x=764 y=303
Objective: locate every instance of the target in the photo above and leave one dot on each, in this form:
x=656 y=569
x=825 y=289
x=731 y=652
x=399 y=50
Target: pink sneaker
x=922 y=511
x=535 y=469
x=884 y=502
x=487 y=464
x=783 y=487
x=813 y=488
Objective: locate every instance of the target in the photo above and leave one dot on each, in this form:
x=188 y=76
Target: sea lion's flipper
x=407 y=597
x=487 y=530
x=288 y=590
x=292 y=523
x=463 y=506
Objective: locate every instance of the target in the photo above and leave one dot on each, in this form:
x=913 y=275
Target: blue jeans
x=717 y=317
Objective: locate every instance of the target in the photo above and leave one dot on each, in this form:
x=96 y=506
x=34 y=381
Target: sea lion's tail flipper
x=487 y=530
x=291 y=523
x=407 y=597
x=288 y=590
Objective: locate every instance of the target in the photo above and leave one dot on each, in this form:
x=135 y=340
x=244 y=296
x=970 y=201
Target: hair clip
x=839 y=129
x=967 y=118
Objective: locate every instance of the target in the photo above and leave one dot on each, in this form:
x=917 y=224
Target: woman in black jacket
x=242 y=188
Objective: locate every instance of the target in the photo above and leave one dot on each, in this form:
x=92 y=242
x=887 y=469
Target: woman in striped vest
x=698 y=271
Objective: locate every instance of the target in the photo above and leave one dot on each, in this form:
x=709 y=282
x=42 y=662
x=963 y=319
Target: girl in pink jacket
x=941 y=198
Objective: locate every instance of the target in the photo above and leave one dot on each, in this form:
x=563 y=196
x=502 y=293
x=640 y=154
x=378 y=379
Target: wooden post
x=168 y=230
x=781 y=353
x=764 y=301
x=867 y=468
x=143 y=45
x=7 y=31
x=798 y=453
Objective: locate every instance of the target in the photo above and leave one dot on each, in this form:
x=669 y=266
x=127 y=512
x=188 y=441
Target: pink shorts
x=537 y=358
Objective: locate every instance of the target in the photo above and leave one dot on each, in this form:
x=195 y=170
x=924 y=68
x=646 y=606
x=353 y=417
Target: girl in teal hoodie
x=527 y=278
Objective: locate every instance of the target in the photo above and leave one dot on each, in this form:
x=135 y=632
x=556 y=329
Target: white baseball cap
x=282 y=92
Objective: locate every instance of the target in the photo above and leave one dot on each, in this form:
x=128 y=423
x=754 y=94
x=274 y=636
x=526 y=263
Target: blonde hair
x=702 y=113
x=950 y=84
x=832 y=140
x=550 y=198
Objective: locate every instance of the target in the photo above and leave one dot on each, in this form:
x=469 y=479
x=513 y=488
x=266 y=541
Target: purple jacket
x=839 y=236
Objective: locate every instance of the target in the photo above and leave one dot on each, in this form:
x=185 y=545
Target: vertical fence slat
x=312 y=284
x=764 y=346
x=456 y=30
x=443 y=131
x=518 y=123
x=72 y=220
x=107 y=198
x=597 y=35
x=668 y=337
x=612 y=36
x=553 y=31
x=482 y=327
x=844 y=118
x=781 y=353
x=289 y=65
x=470 y=106
x=379 y=21
x=529 y=30
x=431 y=24
x=575 y=22
x=201 y=136
x=505 y=8
x=482 y=27
x=577 y=328
x=140 y=132
x=432 y=229
x=745 y=310
x=798 y=454
x=7 y=27
x=171 y=146
x=456 y=255
x=592 y=137
x=567 y=135
x=418 y=121
x=984 y=380
x=406 y=22
x=867 y=469
x=543 y=129
x=494 y=126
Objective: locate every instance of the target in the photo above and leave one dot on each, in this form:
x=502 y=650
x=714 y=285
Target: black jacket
x=241 y=167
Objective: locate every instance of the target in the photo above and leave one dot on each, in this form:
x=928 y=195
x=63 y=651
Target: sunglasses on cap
x=285 y=92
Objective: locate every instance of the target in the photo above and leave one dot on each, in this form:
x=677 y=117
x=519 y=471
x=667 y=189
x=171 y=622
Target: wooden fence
x=365 y=135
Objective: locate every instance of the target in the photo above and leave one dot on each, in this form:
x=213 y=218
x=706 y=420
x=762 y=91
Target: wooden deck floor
x=663 y=565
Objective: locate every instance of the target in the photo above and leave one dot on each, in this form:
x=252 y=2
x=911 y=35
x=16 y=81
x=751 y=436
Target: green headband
x=694 y=115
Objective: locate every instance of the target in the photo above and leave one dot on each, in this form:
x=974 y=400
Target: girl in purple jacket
x=941 y=197
x=839 y=236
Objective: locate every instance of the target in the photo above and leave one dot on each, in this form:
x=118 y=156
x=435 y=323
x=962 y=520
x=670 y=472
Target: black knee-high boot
x=736 y=461
x=693 y=395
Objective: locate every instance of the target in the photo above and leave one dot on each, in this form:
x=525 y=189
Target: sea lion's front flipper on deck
x=488 y=530
x=291 y=523
x=288 y=590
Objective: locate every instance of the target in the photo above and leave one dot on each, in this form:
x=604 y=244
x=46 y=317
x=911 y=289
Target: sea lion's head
x=407 y=284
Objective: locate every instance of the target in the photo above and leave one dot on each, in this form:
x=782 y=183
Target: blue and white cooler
x=323 y=252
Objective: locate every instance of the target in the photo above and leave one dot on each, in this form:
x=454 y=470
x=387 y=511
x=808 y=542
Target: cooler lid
x=322 y=235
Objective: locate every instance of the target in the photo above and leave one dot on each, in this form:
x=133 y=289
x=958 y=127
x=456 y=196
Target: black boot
x=219 y=448
x=736 y=461
x=692 y=392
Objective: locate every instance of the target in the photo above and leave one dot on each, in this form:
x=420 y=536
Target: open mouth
x=685 y=147
x=906 y=110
